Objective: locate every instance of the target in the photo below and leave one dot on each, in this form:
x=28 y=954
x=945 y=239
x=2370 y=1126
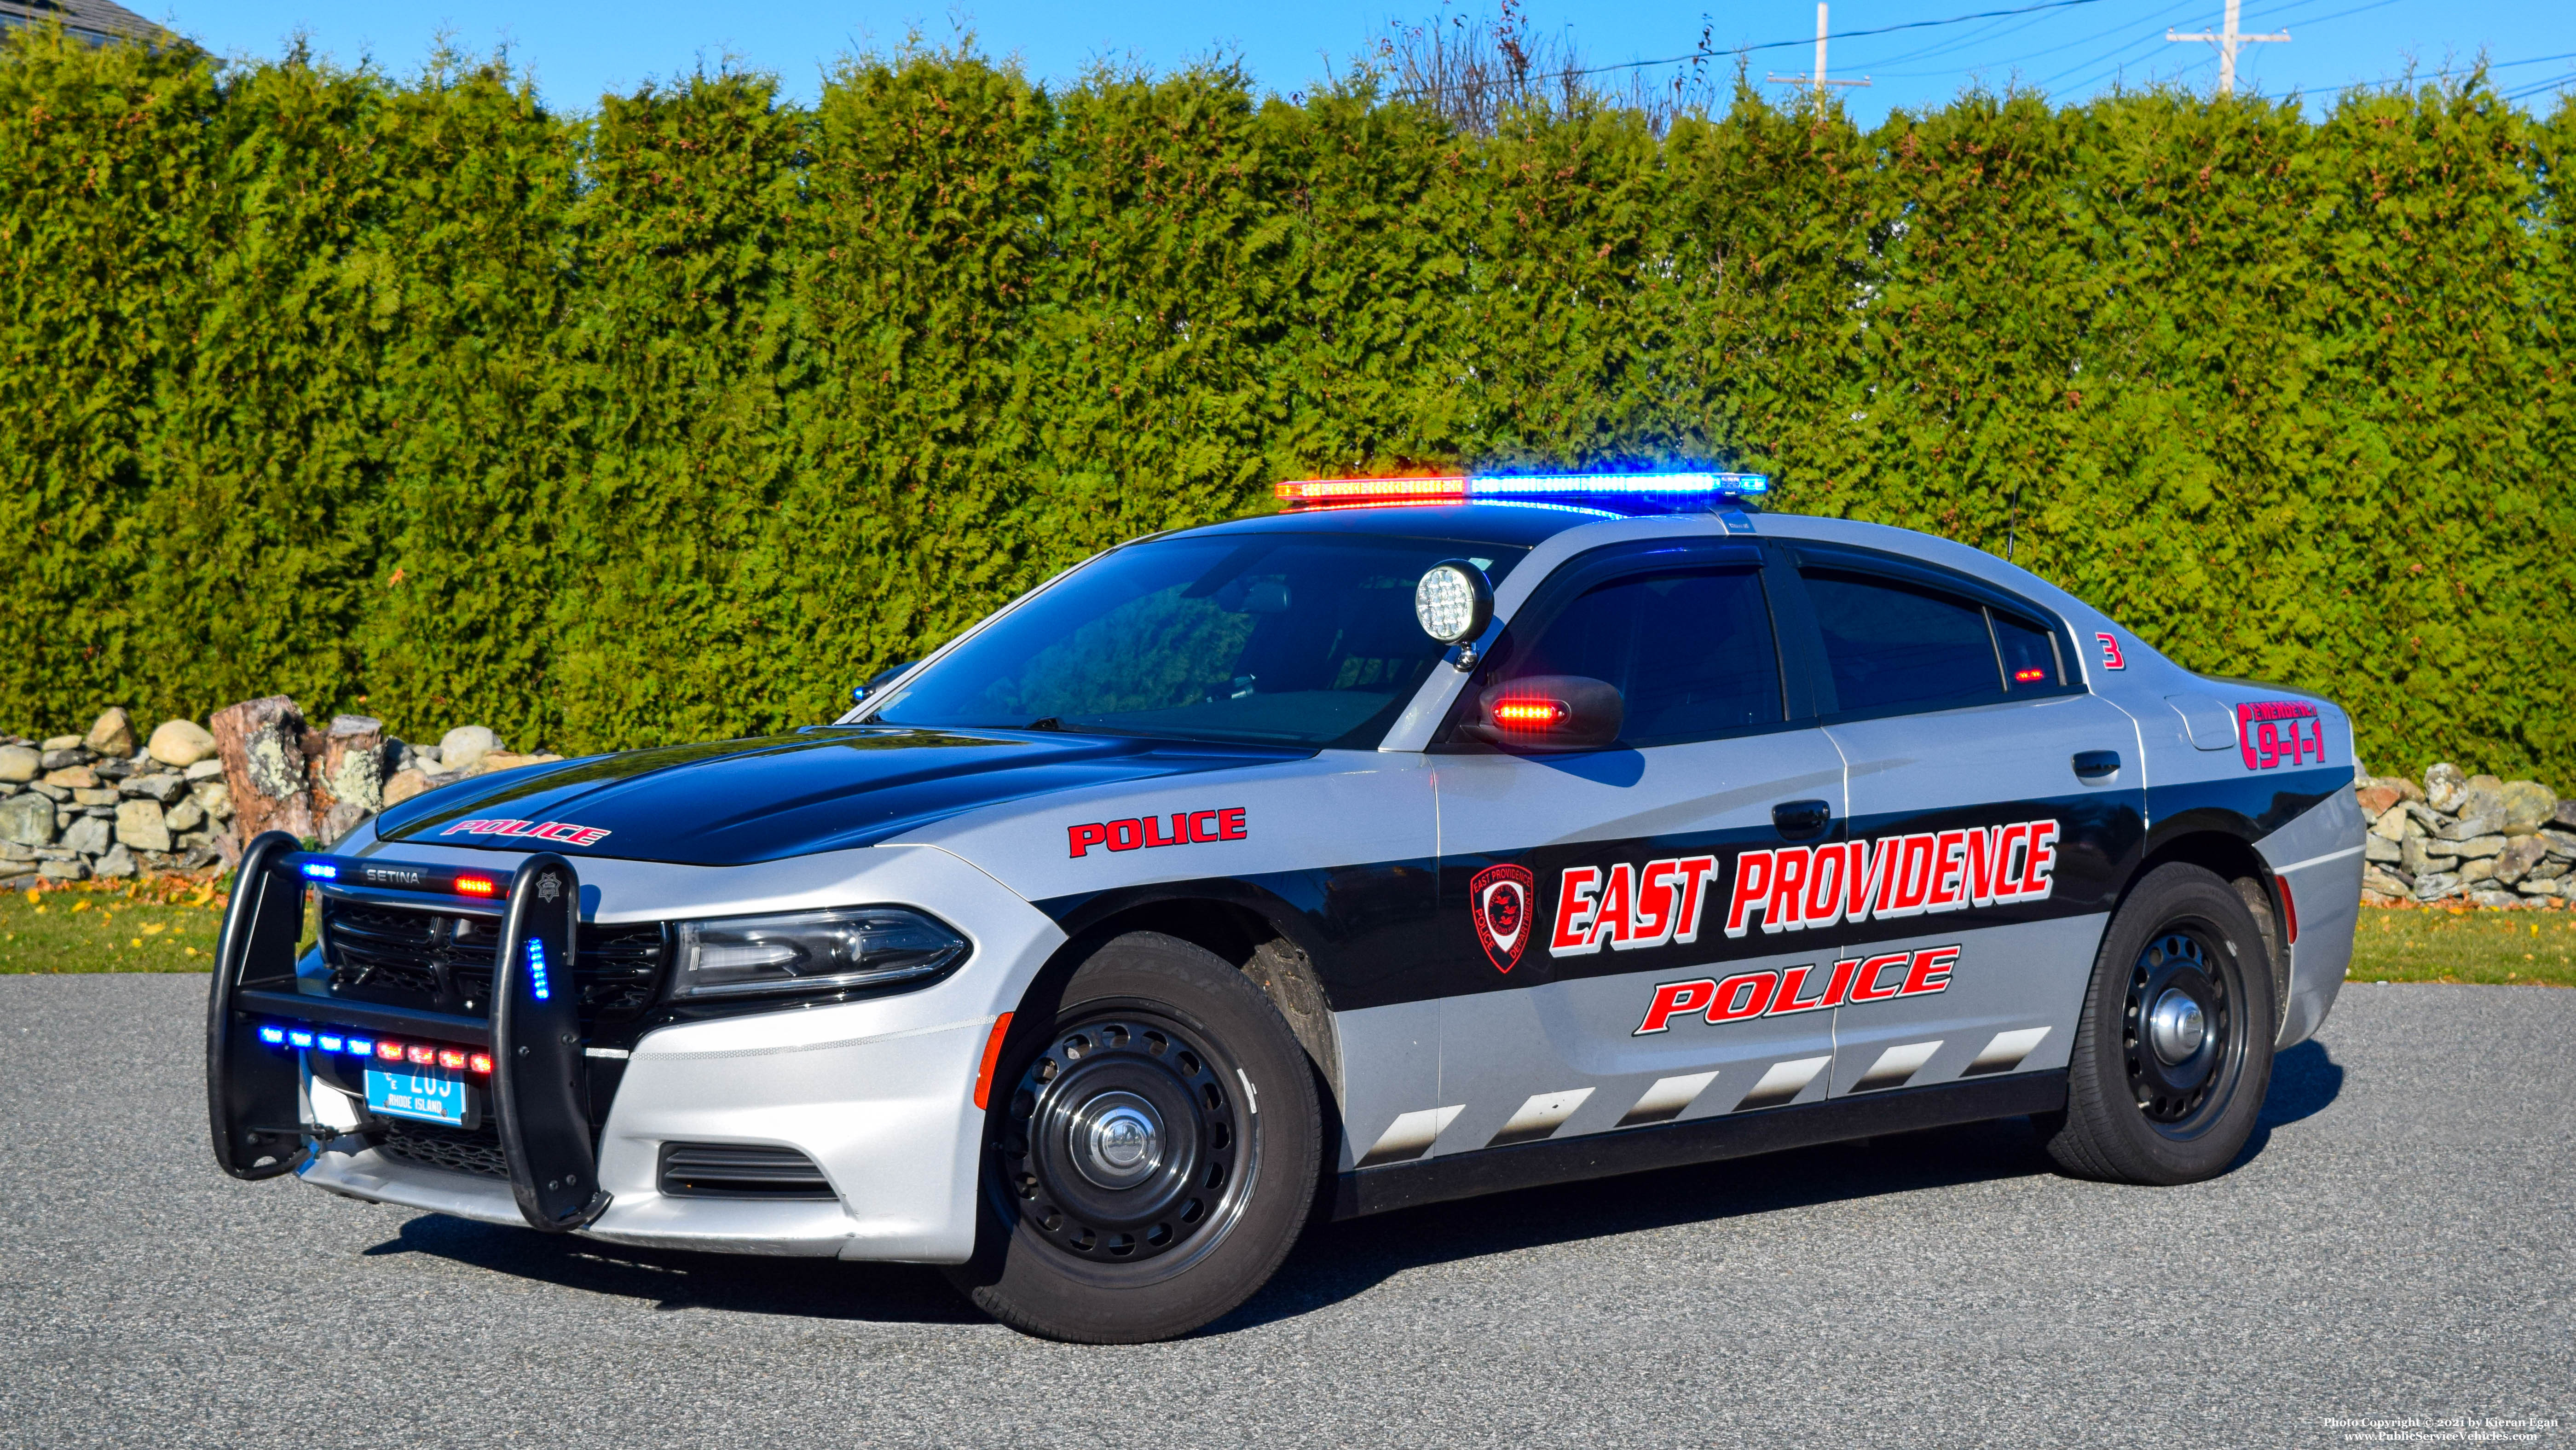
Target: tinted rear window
x=1890 y=645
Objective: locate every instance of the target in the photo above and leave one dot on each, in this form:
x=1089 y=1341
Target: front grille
x=735 y=1170
x=458 y=1150
x=406 y=957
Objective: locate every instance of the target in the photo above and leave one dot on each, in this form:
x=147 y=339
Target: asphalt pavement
x=2394 y=1246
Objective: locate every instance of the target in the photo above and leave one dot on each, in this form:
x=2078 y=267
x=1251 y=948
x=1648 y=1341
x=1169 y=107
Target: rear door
x=1995 y=806
x=1582 y=896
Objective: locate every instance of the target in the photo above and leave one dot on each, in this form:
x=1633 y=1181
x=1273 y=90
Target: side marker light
x=992 y=1058
x=1529 y=714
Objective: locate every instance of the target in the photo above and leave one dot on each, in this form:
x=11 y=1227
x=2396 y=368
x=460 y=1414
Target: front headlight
x=812 y=951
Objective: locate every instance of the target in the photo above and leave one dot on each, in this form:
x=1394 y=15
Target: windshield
x=1273 y=638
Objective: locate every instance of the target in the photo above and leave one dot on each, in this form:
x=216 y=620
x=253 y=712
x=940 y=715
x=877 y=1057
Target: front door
x=1590 y=980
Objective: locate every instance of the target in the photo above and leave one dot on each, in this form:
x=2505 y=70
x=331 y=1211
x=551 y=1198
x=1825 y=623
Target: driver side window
x=1689 y=650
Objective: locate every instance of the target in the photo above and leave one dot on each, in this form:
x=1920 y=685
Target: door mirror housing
x=1548 y=712
x=878 y=681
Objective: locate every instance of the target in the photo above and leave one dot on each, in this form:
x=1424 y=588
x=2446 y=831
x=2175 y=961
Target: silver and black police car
x=1431 y=837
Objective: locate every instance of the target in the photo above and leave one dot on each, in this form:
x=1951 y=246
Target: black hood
x=734 y=802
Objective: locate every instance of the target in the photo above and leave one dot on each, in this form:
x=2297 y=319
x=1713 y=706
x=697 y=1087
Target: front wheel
x=1150 y=1152
x=2174 y=1051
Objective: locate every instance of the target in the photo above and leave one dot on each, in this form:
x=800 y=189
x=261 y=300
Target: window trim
x=1897 y=569
x=1608 y=564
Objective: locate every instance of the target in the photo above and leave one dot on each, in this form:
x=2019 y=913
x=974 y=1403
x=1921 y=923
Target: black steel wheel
x=1156 y=1155
x=2180 y=1034
x=2173 y=1052
x=1126 y=1140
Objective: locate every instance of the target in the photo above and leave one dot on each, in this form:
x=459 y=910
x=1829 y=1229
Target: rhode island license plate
x=430 y=1099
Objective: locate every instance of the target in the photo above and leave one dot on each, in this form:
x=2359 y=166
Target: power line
x=1711 y=53
x=2122 y=57
x=2093 y=39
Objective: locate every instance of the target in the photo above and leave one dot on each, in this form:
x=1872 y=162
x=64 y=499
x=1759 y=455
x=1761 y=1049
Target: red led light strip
x=1350 y=491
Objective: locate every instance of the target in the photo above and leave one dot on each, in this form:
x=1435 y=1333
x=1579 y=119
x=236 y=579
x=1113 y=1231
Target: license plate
x=430 y=1099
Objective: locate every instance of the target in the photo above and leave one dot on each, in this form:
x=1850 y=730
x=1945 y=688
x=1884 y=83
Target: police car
x=1428 y=838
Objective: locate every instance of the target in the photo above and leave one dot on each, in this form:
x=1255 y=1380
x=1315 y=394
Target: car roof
x=1528 y=525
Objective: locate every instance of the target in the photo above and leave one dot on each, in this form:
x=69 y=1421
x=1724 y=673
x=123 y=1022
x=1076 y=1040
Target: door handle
x=1800 y=820
x=2095 y=764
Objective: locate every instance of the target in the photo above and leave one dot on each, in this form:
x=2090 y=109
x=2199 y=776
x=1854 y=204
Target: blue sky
x=579 y=48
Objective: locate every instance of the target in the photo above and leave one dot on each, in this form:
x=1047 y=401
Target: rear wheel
x=2174 y=1051
x=1150 y=1153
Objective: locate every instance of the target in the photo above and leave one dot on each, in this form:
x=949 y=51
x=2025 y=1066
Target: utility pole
x=1818 y=81
x=2227 y=41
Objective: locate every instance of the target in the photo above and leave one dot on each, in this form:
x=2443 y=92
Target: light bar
x=1620 y=493
x=299 y=1037
x=537 y=967
x=351 y=871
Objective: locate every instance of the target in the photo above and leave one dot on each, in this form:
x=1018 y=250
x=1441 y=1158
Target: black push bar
x=539 y=1094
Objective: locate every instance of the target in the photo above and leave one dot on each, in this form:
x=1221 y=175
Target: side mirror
x=1549 y=712
x=878 y=680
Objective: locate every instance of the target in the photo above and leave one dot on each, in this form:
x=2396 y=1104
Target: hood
x=735 y=802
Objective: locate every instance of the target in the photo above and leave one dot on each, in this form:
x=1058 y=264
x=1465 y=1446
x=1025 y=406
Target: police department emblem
x=1501 y=898
x=548 y=888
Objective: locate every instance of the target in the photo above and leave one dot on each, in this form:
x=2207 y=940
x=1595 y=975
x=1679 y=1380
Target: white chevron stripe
x=2006 y=1051
x=1542 y=1115
x=1784 y=1081
x=1410 y=1135
x=1896 y=1064
x=1669 y=1098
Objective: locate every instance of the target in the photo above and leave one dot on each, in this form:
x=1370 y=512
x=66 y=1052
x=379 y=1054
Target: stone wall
x=2467 y=840
x=186 y=797
x=104 y=804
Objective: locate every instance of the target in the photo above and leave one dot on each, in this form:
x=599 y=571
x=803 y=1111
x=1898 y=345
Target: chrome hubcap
x=1121 y=1138
x=2176 y=1026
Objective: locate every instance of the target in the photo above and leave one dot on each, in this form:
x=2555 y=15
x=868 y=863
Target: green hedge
x=678 y=419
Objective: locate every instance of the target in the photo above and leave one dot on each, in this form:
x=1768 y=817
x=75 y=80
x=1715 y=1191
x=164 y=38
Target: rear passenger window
x=1891 y=645
x=1691 y=652
x=2029 y=653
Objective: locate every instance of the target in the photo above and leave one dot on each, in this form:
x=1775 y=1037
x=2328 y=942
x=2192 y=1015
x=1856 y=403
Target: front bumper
x=887 y=1117
x=878 y=1093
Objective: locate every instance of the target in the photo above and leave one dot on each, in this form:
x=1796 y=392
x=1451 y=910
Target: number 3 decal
x=2111 y=653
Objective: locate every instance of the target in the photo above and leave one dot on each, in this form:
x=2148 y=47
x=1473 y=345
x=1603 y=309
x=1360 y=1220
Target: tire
x=2147 y=1101
x=1150 y=1154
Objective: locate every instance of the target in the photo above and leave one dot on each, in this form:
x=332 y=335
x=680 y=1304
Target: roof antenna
x=2012 y=520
